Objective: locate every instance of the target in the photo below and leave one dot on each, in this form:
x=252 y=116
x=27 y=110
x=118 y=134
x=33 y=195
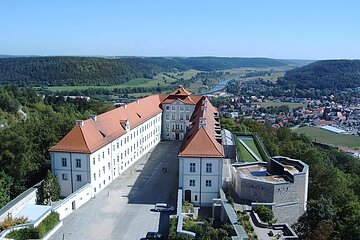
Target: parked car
x=163 y=207
x=153 y=235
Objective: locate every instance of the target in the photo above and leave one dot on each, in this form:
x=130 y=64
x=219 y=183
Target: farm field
x=137 y=82
x=324 y=136
x=168 y=78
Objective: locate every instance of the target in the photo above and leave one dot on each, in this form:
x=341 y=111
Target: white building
x=99 y=149
x=201 y=156
x=178 y=108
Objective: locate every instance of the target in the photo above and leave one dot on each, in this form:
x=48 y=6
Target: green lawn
x=291 y=105
x=324 y=136
x=251 y=144
x=243 y=154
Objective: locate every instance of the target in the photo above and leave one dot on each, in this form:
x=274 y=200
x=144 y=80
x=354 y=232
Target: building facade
x=101 y=148
x=201 y=156
x=281 y=184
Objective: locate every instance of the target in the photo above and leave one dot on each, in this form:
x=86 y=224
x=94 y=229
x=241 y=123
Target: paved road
x=122 y=209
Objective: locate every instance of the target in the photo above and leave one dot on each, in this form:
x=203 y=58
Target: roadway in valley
x=122 y=209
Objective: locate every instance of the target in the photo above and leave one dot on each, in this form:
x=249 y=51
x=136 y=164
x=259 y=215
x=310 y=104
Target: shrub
x=48 y=223
x=10 y=222
x=23 y=234
x=35 y=233
x=265 y=213
x=230 y=200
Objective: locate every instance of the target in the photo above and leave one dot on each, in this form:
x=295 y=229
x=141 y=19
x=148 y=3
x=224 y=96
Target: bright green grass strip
x=243 y=154
x=251 y=144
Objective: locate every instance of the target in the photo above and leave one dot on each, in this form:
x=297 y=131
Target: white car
x=163 y=207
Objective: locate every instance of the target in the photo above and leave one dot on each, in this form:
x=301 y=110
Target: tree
x=49 y=190
x=5 y=183
x=319 y=214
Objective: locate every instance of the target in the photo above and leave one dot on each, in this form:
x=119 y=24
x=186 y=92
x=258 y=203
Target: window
x=192 y=167
x=104 y=169
x=167 y=116
x=99 y=157
x=181 y=108
x=94 y=161
x=172 y=107
x=187 y=116
x=94 y=176
x=64 y=177
x=209 y=167
x=195 y=197
x=78 y=178
x=192 y=183
x=173 y=116
x=103 y=154
x=109 y=165
x=187 y=108
x=167 y=107
x=64 y=162
x=108 y=151
x=78 y=163
x=208 y=183
x=181 y=117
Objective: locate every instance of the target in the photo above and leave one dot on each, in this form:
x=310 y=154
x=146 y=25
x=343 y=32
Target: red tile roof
x=108 y=126
x=201 y=139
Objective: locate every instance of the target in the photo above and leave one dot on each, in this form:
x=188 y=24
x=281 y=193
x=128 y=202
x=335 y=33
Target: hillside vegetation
x=26 y=137
x=327 y=74
x=333 y=206
x=63 y=71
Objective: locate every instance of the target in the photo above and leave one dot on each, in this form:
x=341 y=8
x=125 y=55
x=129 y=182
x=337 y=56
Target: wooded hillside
x=58 y=71
x=327 y=74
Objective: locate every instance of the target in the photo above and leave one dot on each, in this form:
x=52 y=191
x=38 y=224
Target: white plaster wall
x=76 y=199
x=175 y=109
x=201 y=176
x=105 y=164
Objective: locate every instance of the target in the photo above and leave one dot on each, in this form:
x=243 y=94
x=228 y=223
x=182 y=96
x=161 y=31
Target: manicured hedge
x=36 y=233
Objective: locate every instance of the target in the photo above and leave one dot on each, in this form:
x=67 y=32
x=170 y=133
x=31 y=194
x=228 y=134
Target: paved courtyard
x=122 y=209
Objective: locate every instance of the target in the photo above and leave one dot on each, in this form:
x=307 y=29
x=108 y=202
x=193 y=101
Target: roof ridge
x=82 y=134
x=207 y=134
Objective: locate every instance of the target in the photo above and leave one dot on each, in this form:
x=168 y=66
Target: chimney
x=79 y=122
x=93 y=117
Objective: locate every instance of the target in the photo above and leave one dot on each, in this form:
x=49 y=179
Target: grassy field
x=324 y=136
x=291 y=105
x=137 y=82
x=251 y=144
x=243 y=154
x=165 y=79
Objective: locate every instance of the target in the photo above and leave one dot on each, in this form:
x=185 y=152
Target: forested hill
x=51 y=71
x=326 y=74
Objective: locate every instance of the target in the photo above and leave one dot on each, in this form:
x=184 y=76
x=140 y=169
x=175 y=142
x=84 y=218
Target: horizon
x=202 y=56
x=277 y=30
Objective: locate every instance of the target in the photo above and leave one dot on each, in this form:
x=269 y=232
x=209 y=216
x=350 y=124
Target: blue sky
x=300 y=29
